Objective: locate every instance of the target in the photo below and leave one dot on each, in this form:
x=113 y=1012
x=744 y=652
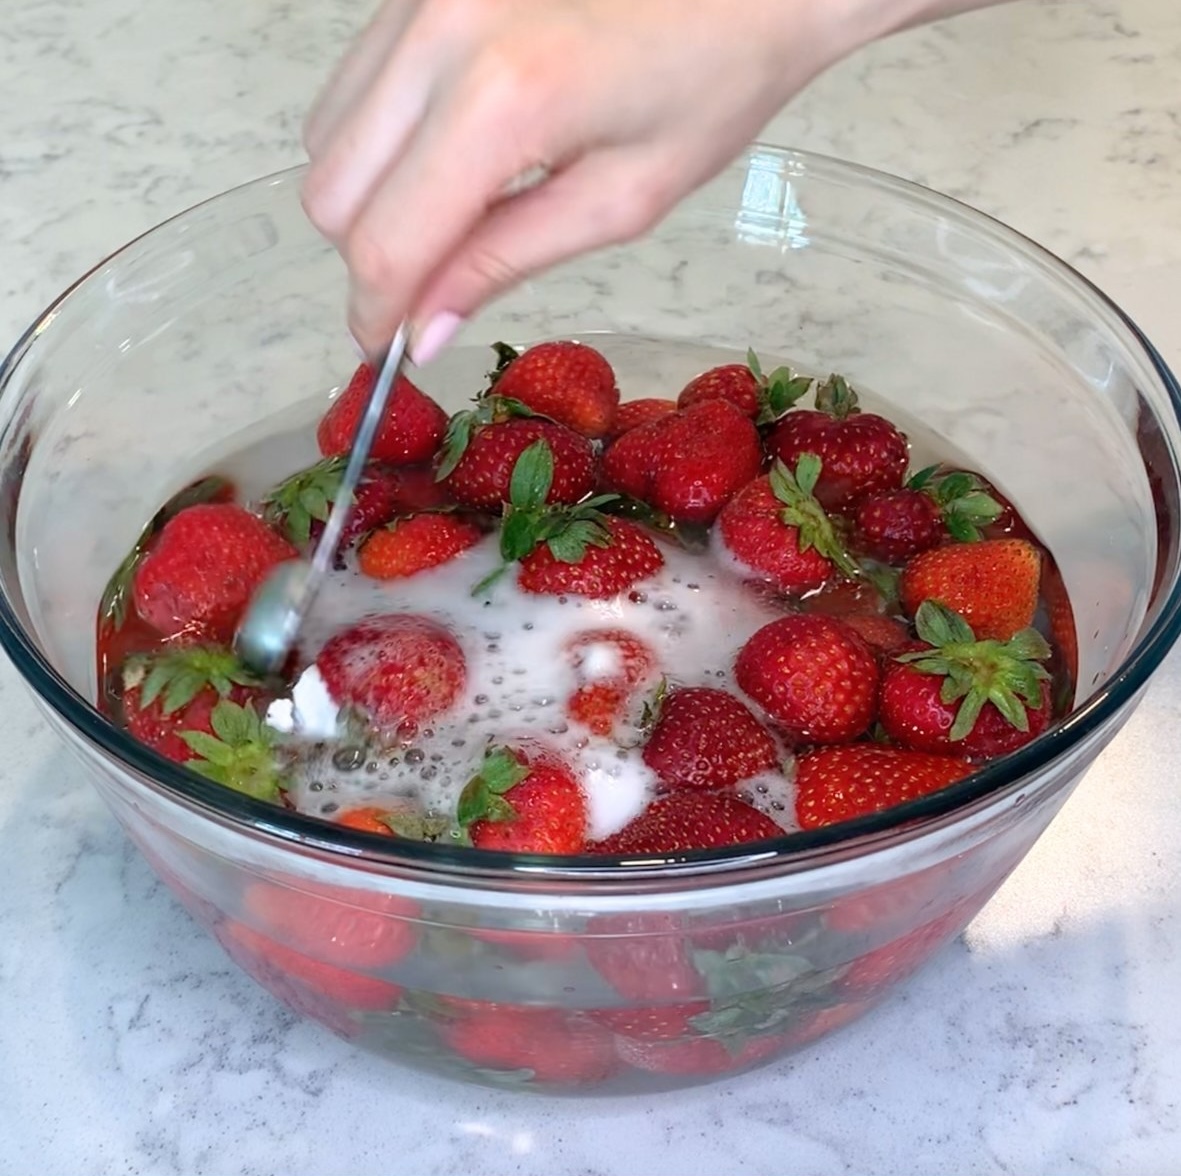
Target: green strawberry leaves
x=802 y=511
x=962 y=498
x=505 y=354
x=1009 y=674
x=461 y=428
x=304 y=498
x=837 y=398
x=117 y=595
x=779 y=391
x=689 y=536
x=529 y=522
x=176 y=677
x=240 y=754
x=483 y=797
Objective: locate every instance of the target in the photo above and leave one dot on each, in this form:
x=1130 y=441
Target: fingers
x=356 y=72
x=604 y=198
x=452 y=171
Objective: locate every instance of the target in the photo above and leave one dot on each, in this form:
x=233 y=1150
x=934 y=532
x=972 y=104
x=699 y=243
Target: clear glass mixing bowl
x=573 y=974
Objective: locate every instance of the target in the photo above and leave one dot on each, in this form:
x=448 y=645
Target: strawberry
x=399 y=669
x=776 y=528
x=763 y=398
x=568 y=382
x=955 y=694
x=408 y=546
x=644 y=956
x=551 y=1045
x=277 y=966
x=836 y=784
x=992 y=584
x=410 y=430
x=706 y=738
x=813 y=675
x=239 y=751
x=652 y=1022
x=608 y=665
x=299 y=505
x=688 y=820
x=881 y=633
x=689 y=464
x=339 y=925
x=199 y=573
x=861 y=453
x=479 y=476
x=175 y=690
x=522 y=804
x=631 y=414
x=703 y=1055
x=575 y=550
x=896 y=524
x=1063 y=631
x=368 y=819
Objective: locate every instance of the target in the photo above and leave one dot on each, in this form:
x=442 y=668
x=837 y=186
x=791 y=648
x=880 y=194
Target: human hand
x=622 y=106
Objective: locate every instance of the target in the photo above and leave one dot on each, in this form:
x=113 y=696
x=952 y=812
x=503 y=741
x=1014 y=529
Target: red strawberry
x=1063 y=631
x=258 y=954
x=299 y=506
x=410 y=431
x=813 y=675
x=775 y=527
x=609 y=564
x=955 y=694
x=524 y=804
x=687 y=465
x=631 y=414
x=416 y=544
x=882 y=633
x=568 y=382
x=399 y=669
x=705 y=1055
x=762 y=398
x=367 y=819
x=836 y=784
x=706 y=738
x=176 y=690
x=480 y=476
x=687 y=820
x=339 y=925
x=896 y=524
x=554 y=1046
x=861 y=453
x=608 y=664
x=652 y=1022
x=993 y=584
x=644 y=956
x=200 y=572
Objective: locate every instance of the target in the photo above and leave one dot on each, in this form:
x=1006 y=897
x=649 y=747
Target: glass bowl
x=575 y=974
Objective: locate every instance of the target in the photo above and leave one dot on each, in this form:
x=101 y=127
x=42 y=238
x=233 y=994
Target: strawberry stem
x=240 y=754
x=804 y=512
x=482 y=798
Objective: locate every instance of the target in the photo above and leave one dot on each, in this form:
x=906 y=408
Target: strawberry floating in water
x=763 y=398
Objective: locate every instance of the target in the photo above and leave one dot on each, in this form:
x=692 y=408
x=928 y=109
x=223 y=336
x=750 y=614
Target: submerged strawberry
x=568 y=382
x=835 y=784
x=955 y=694
x=524 y=803
x=992 y=584
x=862 y=453
x=706 y=738
x=175 y=691
x=608 y=665
x=399 y=669
x=416 y=544
x=812 y=674
x=200 y=572
x=763 y=398
x=687 y=820
x=687 y=465
x=411 y=429
x=775 y=527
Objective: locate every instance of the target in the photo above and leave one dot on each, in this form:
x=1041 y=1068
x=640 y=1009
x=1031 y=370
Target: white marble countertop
x=1047 y=1041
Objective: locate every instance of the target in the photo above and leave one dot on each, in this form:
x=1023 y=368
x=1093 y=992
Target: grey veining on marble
x=1047 y=1042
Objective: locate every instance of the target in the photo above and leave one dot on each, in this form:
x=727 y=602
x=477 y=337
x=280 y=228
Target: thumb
x=601 y=199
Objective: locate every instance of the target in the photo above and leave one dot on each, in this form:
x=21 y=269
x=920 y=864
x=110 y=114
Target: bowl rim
x=788 y=854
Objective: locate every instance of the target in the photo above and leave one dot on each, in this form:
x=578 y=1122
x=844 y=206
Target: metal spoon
x=267 y=632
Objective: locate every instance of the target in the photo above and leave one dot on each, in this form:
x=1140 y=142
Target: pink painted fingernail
x=431 y=339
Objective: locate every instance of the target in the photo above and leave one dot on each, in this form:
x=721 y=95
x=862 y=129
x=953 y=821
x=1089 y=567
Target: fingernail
x=431 y=339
